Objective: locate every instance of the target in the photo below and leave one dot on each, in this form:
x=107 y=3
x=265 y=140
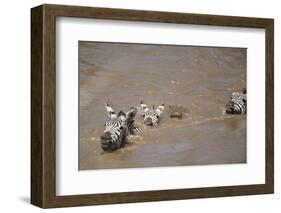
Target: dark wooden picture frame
x=43 y=105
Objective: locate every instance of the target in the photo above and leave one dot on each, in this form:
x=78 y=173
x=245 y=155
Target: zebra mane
x=121 y=113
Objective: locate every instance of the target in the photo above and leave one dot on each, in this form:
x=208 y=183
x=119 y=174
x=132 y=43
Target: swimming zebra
x=237 y=104
x=151 y=116
x=118 y=128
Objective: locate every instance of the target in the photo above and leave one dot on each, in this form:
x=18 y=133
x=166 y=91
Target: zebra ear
x=160 y=109
x=110 y=112
x=143 y=107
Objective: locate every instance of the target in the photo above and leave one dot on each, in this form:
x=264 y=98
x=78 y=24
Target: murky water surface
x=199 y=78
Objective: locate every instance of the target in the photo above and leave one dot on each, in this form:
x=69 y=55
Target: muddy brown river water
x=199 y=78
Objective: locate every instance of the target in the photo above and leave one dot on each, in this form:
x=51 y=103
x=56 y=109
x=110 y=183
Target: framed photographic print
x=135 y=106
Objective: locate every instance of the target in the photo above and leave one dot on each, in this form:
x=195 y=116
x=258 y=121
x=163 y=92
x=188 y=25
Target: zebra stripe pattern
x=237 y=104
x=151 y=116
x=118 y=128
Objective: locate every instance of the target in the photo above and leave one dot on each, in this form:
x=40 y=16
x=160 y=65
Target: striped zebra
x=117 y=129
x=237 y=103
x=151 y=116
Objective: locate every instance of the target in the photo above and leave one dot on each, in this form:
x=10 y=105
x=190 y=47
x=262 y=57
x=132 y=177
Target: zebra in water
x=237 y=103
x=117 y=129
x=151 y=116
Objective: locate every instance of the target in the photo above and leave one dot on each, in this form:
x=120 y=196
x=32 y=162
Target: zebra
x=151 y=116
x=237 y=103
x=117 y=129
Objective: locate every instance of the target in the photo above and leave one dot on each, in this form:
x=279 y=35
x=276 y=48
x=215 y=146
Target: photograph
x=145 y=105
x=155 y=105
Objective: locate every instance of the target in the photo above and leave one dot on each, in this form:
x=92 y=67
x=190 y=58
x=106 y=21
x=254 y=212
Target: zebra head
x=237 y=104
x=117 y=128
x=151 y=116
